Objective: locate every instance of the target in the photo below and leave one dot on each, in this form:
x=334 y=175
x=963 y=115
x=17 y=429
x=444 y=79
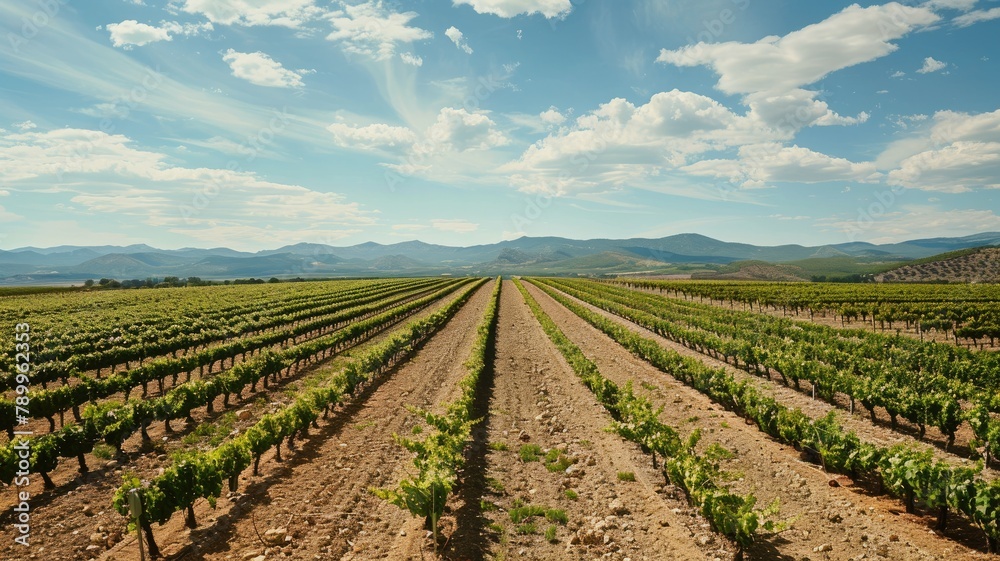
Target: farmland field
x=540 y=418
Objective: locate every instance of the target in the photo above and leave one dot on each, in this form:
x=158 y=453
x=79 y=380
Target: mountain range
x=526 y=255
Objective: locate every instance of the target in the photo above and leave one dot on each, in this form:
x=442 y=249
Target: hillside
x=981 y=265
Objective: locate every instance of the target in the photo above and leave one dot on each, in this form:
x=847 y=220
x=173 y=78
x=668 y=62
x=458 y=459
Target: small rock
x=882 y=550
x=275 y=536
x=402 y=532
x=523 y=436
x=822 y=548
x=243 y=414
x=88 y=510
x=616 y=507
x=836 y=518
x=894 y=537
x=98 y=538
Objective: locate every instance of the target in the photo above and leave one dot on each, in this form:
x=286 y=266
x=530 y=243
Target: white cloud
x=373 y=30
x=105 y=174
x=771 y=73
x=803 y=57
x=458 y=38
x=620 y=142
x=457 y=226
x=977 y=16
x=552 y=117
x=761 y=164
x=260 y=69
x=898 y=74
x=284 y=13
x=411 y=59
x=510 y=8
x=960 y=152
x=25 y=126
x=130 y=32
x=458 y=130
x=931 y=65
x=372 y=137
x=962 y=5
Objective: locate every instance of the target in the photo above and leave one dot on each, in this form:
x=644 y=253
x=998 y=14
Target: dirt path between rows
x=538 y=400
x=841 y=522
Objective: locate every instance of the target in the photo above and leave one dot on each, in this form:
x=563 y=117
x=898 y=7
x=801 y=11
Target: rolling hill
x=681 y=253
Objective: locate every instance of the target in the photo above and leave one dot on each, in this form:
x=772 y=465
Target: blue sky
x=253 y=124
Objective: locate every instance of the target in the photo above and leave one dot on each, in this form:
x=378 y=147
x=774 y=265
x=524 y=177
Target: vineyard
x=539 y=418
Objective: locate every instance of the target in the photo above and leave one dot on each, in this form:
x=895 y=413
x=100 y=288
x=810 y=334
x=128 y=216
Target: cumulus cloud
x=261 y=70
x=458 y=38
x=960 y=152
x=931 y=65
x=772 y=72
x=459 y=130
x=803 y=57
x=510 y=8
x=621 y=142
x=552 y=117
x=130 y=33
x=761 y=164
x=284 y=13
x=373 y=30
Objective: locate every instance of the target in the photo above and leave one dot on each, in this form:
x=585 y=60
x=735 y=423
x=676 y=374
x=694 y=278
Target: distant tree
x=114 y=284
x=195 y=281
x=172 y=281
x=104 y=282
x=89 y=283
x=273 y=280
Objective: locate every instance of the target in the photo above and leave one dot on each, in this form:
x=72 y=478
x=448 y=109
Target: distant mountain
x=527 y=255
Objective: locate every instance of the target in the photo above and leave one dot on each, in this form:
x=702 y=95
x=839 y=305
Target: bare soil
x=538 y=400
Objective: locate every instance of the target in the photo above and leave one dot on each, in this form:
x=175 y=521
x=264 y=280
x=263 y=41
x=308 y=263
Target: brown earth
x=538 y=400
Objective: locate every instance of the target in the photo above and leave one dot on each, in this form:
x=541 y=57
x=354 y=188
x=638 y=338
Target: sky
x=253 y=124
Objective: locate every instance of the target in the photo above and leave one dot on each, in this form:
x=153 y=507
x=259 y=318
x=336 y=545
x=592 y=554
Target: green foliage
x=527 y=528
x=571 y=494
x=521 y=513
x=529 y=452
x=626 y=476
x=556 y=515
x=550 y=534
x=440 y=454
